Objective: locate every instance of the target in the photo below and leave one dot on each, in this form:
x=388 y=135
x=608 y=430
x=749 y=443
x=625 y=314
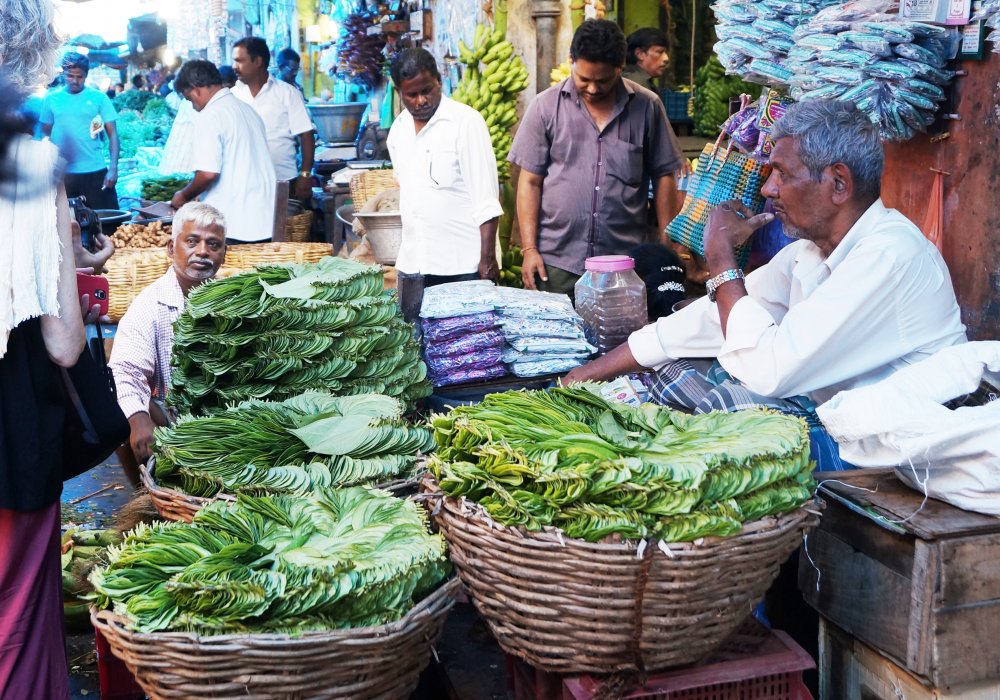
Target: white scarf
x=30 y=250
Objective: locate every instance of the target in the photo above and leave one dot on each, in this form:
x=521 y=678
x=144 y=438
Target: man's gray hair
x=200 y=214
x=835 y=131
x=28 y=43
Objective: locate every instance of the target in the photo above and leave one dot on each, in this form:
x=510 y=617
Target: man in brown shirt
x=588 y=148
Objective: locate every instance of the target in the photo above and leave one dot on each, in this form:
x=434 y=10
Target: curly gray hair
x=28 y=42
x=835 y=131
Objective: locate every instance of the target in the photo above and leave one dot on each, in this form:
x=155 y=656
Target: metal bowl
x=112 y=218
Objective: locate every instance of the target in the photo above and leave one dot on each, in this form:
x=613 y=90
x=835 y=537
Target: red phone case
x=96 y=286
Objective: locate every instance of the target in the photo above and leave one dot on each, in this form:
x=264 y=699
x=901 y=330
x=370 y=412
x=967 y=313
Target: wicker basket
x=240 y=258
x=569 y=606
x=298 y=227
x=130 y=270
x=369 y=183
x=365 y=662
x=175 y=505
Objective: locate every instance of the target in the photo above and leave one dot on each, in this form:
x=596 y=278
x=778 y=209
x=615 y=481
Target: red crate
x=117 y=682
x=755 y=664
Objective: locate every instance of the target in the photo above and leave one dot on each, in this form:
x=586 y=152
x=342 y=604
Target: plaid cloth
x=701 y=386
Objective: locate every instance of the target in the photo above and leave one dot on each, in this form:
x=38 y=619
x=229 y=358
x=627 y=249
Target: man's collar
x=223 y=91
x=622 y=90
x=864 y=224
x=444 y=112
x=171 y=296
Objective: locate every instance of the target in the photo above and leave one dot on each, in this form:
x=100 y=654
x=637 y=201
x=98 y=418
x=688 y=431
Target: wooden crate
x=921 y=587
x=851 y=670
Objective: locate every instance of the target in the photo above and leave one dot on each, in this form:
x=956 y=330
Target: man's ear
x=170 y=249
x=843 y=183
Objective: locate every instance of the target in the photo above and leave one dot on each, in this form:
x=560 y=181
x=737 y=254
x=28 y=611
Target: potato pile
x=155 y=234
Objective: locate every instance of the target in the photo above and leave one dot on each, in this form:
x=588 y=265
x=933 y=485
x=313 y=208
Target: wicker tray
x=382 y=662
x=175 y=505
x=369 y=183
x=130 y=270
x=569 y=606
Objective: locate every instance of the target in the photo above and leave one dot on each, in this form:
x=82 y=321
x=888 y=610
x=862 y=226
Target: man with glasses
x=448 y=191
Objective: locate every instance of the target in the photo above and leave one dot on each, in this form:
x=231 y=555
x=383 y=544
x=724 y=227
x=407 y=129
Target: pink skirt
x=32 y=643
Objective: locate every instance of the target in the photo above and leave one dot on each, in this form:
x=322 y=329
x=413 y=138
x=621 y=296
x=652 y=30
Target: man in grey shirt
x=588 y=148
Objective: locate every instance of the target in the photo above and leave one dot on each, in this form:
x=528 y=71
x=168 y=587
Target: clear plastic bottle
x=611 y=299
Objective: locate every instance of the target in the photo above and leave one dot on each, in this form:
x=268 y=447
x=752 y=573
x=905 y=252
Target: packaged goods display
x=280 y=330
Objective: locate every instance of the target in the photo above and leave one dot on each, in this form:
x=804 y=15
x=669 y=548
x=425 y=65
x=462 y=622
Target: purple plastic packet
x=473 y=342
x=742 y=127
x=468 y=375
x=446 y=364
x=455 y=326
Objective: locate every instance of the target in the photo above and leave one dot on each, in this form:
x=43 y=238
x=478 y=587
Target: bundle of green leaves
x=276 y=564
x=280 y=330
x=299 y=445
x=570 y=459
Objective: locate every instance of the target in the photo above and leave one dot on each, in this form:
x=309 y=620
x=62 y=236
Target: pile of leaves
x=300 y=445
x=568 y=458
x=280 y=330
x=161 y=188
x=134 y=100
x=148 y=125
x=276 y=564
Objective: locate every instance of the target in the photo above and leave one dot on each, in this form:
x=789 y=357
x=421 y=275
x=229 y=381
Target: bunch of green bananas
x=510 y=274
x=493 y=78
x=712 y=90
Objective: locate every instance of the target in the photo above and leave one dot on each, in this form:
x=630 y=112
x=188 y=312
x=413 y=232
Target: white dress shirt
x=285 y=116
x=229 y=139
x=882 y=300
x=447 y=187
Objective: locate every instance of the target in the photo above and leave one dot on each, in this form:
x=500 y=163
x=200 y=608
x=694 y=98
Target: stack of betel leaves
x=276 y=564
x=299 y=445
x=279 y=330
x=569 y=459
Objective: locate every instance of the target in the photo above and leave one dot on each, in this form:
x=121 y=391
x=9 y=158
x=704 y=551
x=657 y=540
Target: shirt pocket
x=444 y=169
x=624 y=163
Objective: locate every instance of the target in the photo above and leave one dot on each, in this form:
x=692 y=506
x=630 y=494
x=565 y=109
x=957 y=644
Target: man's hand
x=488 y=268
x=303 y=189
x=533 y=265
x=111 y=179
x=178 y=200
x=730 y=225
x=141 y=436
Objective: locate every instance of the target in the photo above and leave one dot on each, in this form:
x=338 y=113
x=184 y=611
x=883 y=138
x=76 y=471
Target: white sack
x=901 y=422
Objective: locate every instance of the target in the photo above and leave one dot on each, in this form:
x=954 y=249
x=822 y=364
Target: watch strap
x=712 y=285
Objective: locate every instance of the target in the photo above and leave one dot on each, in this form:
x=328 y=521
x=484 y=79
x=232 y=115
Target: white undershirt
x=285 y=116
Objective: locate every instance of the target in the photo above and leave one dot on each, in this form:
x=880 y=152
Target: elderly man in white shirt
x=448 y=190
x=229 y=154
x=283 y=110
x=861 y=294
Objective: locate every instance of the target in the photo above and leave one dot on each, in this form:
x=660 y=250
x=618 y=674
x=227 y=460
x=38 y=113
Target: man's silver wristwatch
x=720 y=279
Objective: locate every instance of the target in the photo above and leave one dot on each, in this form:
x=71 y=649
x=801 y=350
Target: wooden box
x=852 y=670
x=918 y=581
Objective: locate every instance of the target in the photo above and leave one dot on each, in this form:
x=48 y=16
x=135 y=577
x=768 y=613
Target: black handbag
x=95 y=425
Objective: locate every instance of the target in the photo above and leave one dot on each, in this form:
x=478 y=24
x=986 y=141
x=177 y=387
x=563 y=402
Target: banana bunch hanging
x=492 y=81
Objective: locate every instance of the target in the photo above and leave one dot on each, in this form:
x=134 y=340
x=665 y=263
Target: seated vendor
x=140 y=359
x=859 y=295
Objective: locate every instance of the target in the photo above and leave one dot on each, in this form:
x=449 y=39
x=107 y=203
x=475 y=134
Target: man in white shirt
x=861 y=294
x=448 y=191
x=229 y=154
x=283 y=110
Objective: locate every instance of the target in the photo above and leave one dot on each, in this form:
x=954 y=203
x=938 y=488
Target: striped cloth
x=701 y=386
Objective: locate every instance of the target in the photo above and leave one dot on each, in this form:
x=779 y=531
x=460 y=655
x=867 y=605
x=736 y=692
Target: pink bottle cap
x=609 y=263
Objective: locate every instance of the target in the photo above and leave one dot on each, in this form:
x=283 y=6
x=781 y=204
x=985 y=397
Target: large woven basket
x=240 y=258
x=381 y=662
x=298 y=227
x=569 y=606
x=175 y=505
x=130 y=270
x=369 y=183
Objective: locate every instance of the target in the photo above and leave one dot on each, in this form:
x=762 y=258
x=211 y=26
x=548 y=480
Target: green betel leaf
x=337 y=435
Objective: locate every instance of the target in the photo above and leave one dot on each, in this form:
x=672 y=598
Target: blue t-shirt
x=72 y=117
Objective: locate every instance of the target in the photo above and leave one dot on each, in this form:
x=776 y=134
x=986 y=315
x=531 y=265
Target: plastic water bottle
x=611 y=299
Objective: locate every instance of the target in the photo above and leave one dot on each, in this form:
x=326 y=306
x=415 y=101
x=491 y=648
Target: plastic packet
x=861 y=90
x=737 y=14
x=540 y=327
x=889 y=70
x=770 y=72
x=892 y=32
x=750 y=49
x=922 y=87
x=554 y=345
x=919 y=54
x=775 y=27
x=915 y=99
x=471 y=343
x=445 y=364
x=855 y=11
x=911 y=116
x=461 y=376
x=537 y=369
x=836 y=74
x=731 y=59
x=458 y=299
x=439 y=329
x=872 y=43
x=742 y=128
x=802 y=53
x=833 y=91
x=821 y=42
x=922 y=30
x=849 y=58
x=931 y=74
x=789 y=7
x=511 y=355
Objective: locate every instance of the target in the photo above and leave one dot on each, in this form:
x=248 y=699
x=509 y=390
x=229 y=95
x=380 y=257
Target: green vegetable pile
x=280 y=330
x=140 y=126
x=711 y=93
x=568 y=458
x=162 y=188
x=299 y=445
x=276 y=564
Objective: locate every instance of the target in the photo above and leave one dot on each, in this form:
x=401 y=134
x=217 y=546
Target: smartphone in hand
x=97 y=287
